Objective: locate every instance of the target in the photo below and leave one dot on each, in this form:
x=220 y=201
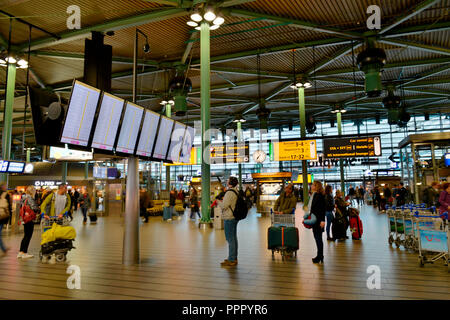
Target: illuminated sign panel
x=352 y=147
x=230 y=153
x=295 y=150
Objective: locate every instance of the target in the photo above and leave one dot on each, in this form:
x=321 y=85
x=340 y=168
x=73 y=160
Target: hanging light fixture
x=13 y=59
x=338 y=108
x=239 y=118
x=214 y=19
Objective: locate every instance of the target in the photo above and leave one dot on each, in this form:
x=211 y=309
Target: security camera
x=146 y=48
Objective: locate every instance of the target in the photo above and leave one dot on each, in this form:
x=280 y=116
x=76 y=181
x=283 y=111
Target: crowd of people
x=33 y=203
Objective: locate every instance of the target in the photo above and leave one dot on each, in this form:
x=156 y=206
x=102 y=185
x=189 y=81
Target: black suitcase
x=93 y=218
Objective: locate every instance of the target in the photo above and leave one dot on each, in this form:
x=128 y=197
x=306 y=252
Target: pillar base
x=205 y=225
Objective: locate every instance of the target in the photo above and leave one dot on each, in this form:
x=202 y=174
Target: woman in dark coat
x=316 y=205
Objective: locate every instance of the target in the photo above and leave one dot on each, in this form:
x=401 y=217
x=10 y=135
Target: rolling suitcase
x=167 y=213
x=356 y=227
x=282 y=237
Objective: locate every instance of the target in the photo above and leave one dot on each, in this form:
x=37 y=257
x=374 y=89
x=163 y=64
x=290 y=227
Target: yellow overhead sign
x=300 y=179
x=295 y=150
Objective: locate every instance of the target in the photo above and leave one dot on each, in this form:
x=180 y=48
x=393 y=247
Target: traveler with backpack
x=329 y=207
x=316 y=206
x=286 y=202
x=85 y=203
x=234 y=208
x=56 y=203
x=28 y=211
x=5 y=212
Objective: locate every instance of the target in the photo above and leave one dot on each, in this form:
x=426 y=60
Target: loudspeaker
x=97 y=62
x=48 y=113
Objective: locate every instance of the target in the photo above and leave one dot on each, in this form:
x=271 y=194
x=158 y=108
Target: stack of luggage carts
x=422 y=230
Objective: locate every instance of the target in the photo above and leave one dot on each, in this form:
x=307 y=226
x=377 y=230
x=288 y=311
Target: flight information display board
x=131 y=124
x=230 y=153
x=80 y=114
x=188 y=142
x=295 y=150
x=163 y=138
x=148 y=134
x=107 y=122
x=352 y=147
x=176 y=142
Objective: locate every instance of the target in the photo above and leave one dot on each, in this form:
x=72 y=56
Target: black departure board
x=352 y=147
x=230 y=153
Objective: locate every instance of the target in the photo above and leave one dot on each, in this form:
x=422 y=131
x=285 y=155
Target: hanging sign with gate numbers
x=295 y=150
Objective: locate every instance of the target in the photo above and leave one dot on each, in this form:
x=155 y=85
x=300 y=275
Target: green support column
x=7 y=118
x=302 y=113
x=169 y=115
x=205 y=117
x=341 y=163
x=239 y=132
x=64 y=172
x=28 y=155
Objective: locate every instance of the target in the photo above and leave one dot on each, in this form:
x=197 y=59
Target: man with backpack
x=234 y=208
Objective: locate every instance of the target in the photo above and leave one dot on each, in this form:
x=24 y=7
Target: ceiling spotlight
x=192 y=23
x=196 y=17
x=171 y=102
x=214 y=27
x=2 y=61
x=164 y=102
x=218 y=21
x=22 y=62
x=198 y=28
x=209 y=15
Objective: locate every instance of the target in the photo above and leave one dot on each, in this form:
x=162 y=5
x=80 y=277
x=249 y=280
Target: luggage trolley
x=282 y=220
x=390 y=213
x=396 y=226
x=434 y=238
x=58 y=247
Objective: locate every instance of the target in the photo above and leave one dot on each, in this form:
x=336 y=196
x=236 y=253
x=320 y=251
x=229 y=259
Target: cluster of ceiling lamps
x=208 y=15
x=165 y=102
x=301 y=84
x=338 y=108
x=239 y=118
x=5 y=59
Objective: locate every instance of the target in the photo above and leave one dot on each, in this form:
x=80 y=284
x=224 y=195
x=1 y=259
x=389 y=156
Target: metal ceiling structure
x=415 y=35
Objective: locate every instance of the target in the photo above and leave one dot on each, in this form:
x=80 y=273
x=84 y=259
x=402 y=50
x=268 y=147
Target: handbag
x=26 y=213
x=309 y=220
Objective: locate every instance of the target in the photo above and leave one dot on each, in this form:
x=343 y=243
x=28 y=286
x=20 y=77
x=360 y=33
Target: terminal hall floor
x=180 y=261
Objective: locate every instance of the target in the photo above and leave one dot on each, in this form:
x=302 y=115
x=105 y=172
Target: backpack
x=241 y=208
x=4 y=207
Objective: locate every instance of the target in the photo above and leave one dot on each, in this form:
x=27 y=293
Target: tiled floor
x=180 y=261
